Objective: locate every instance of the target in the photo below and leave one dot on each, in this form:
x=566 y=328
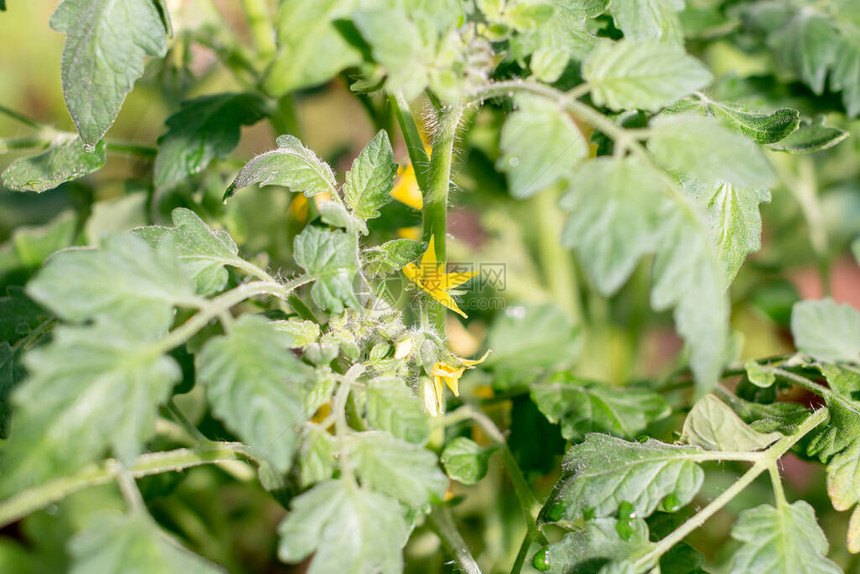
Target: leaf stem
x=186 y=424
x=32 y=499
x=131 y=148
x=414 y=143
x=442 y=520
x=11 y=144
x=262 y=30
x=767 y=461
x=341 y=423
x=21 y=118
x=128 y=487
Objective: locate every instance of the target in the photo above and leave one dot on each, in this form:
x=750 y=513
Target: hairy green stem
x=284 y=120
x=436 y=196
x=556 y=263
x=442 y=520
x=262 y=29
x=523 y=553
x=31 y=500
x=768 y=461
x=128 y=487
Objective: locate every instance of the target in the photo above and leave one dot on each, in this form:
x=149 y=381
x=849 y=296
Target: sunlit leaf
x=827 y=330
x=465 y=461
x=65 y=160
x=713 y=425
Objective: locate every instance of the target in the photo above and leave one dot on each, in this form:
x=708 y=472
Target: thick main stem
x=436 y=196
x=442 y=520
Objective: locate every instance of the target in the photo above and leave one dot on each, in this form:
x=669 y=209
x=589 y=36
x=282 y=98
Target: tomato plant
x=432 y=285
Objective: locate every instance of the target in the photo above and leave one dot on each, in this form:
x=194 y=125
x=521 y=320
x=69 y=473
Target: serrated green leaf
x=540 y=146
x=784 y=540
x=649 y=19
x=92 y=389
x=734 y=219
x=33 y=245
x=845 y=74
x=645 y=75
x=65 y=160
x=371 y=178
x=761 y=128
x=19 y=315
x=807 y=46
x=311 y=50
x=391 y=256
x=316 y=456
x=713 y=425
x=843 y=379
x=689 y=277
x=291 y=165
x=758 y=375
x=709 y=152
x=403 y=55
x=107 y=42
x=203 y=251
x=843 y=477
x=529 y=339
x=132 y=544
x=393 y=407
x=125 y=281
x=253 y=383
x=465 y=460
x=299 y=333
x=597 y=545
x=827 y=330
x=349 y=530
x=331 y=258
x=204 y=129
x=603 y=472
x=841 y=430
x=397 y=468
x=582 y=407
x=614 y=207
x=810 y=138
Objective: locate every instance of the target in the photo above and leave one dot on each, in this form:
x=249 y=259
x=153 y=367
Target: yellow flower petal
x=430 y=276
x=473 y=362
x=406 y=188
x=451 y=280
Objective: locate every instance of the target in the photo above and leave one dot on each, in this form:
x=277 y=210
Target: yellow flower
x=406 y=188
x=445 y=374
x=431 y=276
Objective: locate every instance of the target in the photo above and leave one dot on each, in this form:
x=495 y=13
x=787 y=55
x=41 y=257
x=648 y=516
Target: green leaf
x=807 y=46
x=92 y=389
x=843 y=478
x=761 y=128
x=403 y=54
x=253 y=383
x=649 y=19
x=298 y=333
x=540 y=146
x=810 y=138
x=781 y=540
x=465 y=460
x=331 y=258
x=841 y=430
x=371 y=178
x=393 y=407
x=132 y=544
x=291 y=165
x=107 y=42
x=316 y=456
x=203 y=251
x=827 y=330
x=646 y=75
x=709 y=152
x=602 y=473
x=397 y=468
x=713 y=425
x=758 y=375
x=125 y=280
x=598 y=545
x=582 y=407
x=311 y=50
x=11 y=374
x=689 y=277
x=33 y=245
x=845 y=74
x=65 y=160
x=614 y=208
x=19 y=315
x=391 y=256
x=734 y=219
x=349 y=530
x=204 y=129
x=529 y=339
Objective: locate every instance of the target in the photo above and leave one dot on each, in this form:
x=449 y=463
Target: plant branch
x=131 y=148
x=442 y=520
x=31 y=500
x=414 y=143
x=262 y=30
x=767 y=461
x=21 y=118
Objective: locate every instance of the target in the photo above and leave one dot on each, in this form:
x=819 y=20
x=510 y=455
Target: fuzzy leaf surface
x=65 y=160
